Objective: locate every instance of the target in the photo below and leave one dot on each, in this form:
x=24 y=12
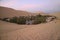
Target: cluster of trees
x=22 y=19
x=18 y=20
x=39 y=19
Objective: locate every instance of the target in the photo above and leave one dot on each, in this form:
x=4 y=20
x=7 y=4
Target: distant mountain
x=9 y=12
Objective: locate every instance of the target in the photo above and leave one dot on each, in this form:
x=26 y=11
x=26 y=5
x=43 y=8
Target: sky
x=32 y=5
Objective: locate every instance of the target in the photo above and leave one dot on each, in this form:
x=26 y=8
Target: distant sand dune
x=8 y=12
x=57 y=14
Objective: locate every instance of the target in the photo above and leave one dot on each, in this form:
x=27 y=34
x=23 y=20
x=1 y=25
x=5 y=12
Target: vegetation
x=39 y=19
x=0 y=19
x=14 y=19
x=22 y=19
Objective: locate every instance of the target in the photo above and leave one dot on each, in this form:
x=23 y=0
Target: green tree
x=14 y=19
x=39 y=19
x=21 y=20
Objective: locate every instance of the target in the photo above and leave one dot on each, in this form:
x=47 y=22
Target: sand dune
x=40 y=12
x=12 y=31
x=9 y=12
x=48 y=31
x=57 y=14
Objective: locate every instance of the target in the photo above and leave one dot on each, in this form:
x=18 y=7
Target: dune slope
x=48 y=31
x=9 y=12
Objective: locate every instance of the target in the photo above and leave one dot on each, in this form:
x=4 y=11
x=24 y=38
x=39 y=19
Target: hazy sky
x=32 y=5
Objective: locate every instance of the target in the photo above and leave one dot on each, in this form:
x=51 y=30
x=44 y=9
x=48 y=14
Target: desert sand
x=43 y=31
x=46 y=31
